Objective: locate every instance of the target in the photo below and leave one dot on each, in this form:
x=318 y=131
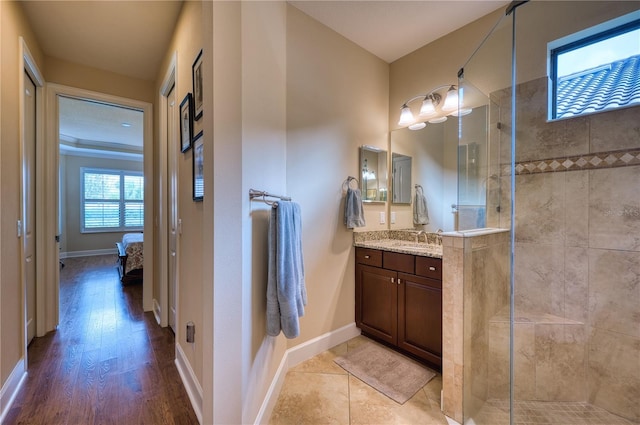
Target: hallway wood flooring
x=107 y=363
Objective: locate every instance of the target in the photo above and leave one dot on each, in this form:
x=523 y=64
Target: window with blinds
x=112 y=200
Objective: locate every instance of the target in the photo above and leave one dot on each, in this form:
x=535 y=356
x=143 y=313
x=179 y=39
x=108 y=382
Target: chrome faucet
x=421 y=232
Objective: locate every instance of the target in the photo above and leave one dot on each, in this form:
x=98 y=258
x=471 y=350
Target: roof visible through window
x=596 y=73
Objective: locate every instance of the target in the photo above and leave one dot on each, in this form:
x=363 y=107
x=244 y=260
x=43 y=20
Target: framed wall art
x=186 y=123
x=198 y=168
x=196 y=71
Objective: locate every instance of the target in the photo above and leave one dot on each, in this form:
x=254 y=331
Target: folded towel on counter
x=286 y=292
x=353 y=212
x=420 y=211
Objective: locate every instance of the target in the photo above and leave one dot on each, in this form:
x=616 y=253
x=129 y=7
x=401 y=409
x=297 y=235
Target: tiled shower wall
x=577 y=254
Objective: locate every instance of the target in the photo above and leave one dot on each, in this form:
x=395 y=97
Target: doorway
x=140 y=211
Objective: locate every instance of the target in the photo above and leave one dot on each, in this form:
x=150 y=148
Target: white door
x=172 y=157
x=29 y=193
x=402 y=179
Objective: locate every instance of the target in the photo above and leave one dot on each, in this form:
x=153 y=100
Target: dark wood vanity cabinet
x=399 y=301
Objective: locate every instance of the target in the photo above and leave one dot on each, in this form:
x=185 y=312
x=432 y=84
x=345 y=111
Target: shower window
x=596 y=69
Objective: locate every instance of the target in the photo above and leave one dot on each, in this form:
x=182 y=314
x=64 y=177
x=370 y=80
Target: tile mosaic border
x=591 y=161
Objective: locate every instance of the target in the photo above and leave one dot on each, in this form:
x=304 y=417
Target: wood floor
x=108 y=362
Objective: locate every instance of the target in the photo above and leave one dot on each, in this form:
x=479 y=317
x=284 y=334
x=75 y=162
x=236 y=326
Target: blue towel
x=353 y=212
x=286 y=292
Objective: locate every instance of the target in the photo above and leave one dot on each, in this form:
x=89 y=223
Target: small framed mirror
x=373 y=174
x=401 y=189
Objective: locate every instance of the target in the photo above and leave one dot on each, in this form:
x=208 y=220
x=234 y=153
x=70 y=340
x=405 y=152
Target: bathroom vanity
x=399 y=296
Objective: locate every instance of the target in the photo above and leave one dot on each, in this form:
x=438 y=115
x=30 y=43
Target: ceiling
x=125 y=37
x=87 y=127
x=392 y=29
x=131 y=37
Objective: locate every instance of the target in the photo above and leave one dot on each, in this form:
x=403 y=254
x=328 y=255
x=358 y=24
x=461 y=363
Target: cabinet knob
x=433 y=269
x=367 y=257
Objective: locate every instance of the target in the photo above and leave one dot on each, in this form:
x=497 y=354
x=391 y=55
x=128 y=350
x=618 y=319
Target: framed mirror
x=373 y=174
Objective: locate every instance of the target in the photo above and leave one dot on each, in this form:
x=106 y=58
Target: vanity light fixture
x=433 y=109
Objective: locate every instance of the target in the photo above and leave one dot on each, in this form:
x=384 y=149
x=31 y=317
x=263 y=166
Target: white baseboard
x=297 y=355
x=88 y=253
x=190 y=382
x=11 y=387
x=156 y=310
x=315 y=346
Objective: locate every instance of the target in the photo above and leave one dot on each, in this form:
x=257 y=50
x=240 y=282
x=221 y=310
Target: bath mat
x=392 y=374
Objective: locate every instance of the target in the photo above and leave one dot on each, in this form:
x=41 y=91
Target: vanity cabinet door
x=377 y=302
x=420 y=317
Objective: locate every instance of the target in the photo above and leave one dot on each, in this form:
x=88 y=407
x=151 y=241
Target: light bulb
x=427 y=109
x=451 y=101
x=406 y=117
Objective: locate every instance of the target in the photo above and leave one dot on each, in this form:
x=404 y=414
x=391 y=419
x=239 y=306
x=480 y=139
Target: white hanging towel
x=420 y=211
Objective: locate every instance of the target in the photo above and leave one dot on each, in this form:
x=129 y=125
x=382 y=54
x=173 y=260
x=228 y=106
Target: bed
x=130 y=259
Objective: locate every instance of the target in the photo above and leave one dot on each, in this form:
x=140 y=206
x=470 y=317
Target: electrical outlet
x=191 y=332
x=393 y=217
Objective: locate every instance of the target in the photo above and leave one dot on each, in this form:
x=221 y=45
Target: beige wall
x=13 y=25
x=85 y=77
x=186 y=42
x=331 y=111
x=264 y=153
x=226 y=208
x=74 y=239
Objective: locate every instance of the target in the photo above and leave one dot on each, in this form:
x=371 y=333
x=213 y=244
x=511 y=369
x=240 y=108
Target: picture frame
x=196 y=75
x=198 y=167
x=186 y=123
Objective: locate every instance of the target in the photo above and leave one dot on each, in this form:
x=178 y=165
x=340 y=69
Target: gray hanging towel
x=286 y=292
x=353 y=211
x=420 y=211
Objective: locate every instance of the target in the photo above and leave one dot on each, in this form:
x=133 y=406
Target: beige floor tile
x=369 y=406
x=312 y=398
x=318 y=391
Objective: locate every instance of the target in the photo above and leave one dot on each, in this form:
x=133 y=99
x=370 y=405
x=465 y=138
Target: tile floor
x=496 y=412
x=318 y=391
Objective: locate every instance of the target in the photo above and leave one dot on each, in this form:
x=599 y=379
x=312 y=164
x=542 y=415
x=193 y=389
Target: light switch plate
x=383 y=219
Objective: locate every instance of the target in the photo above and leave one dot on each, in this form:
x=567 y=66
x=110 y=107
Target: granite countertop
x=401 y=242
